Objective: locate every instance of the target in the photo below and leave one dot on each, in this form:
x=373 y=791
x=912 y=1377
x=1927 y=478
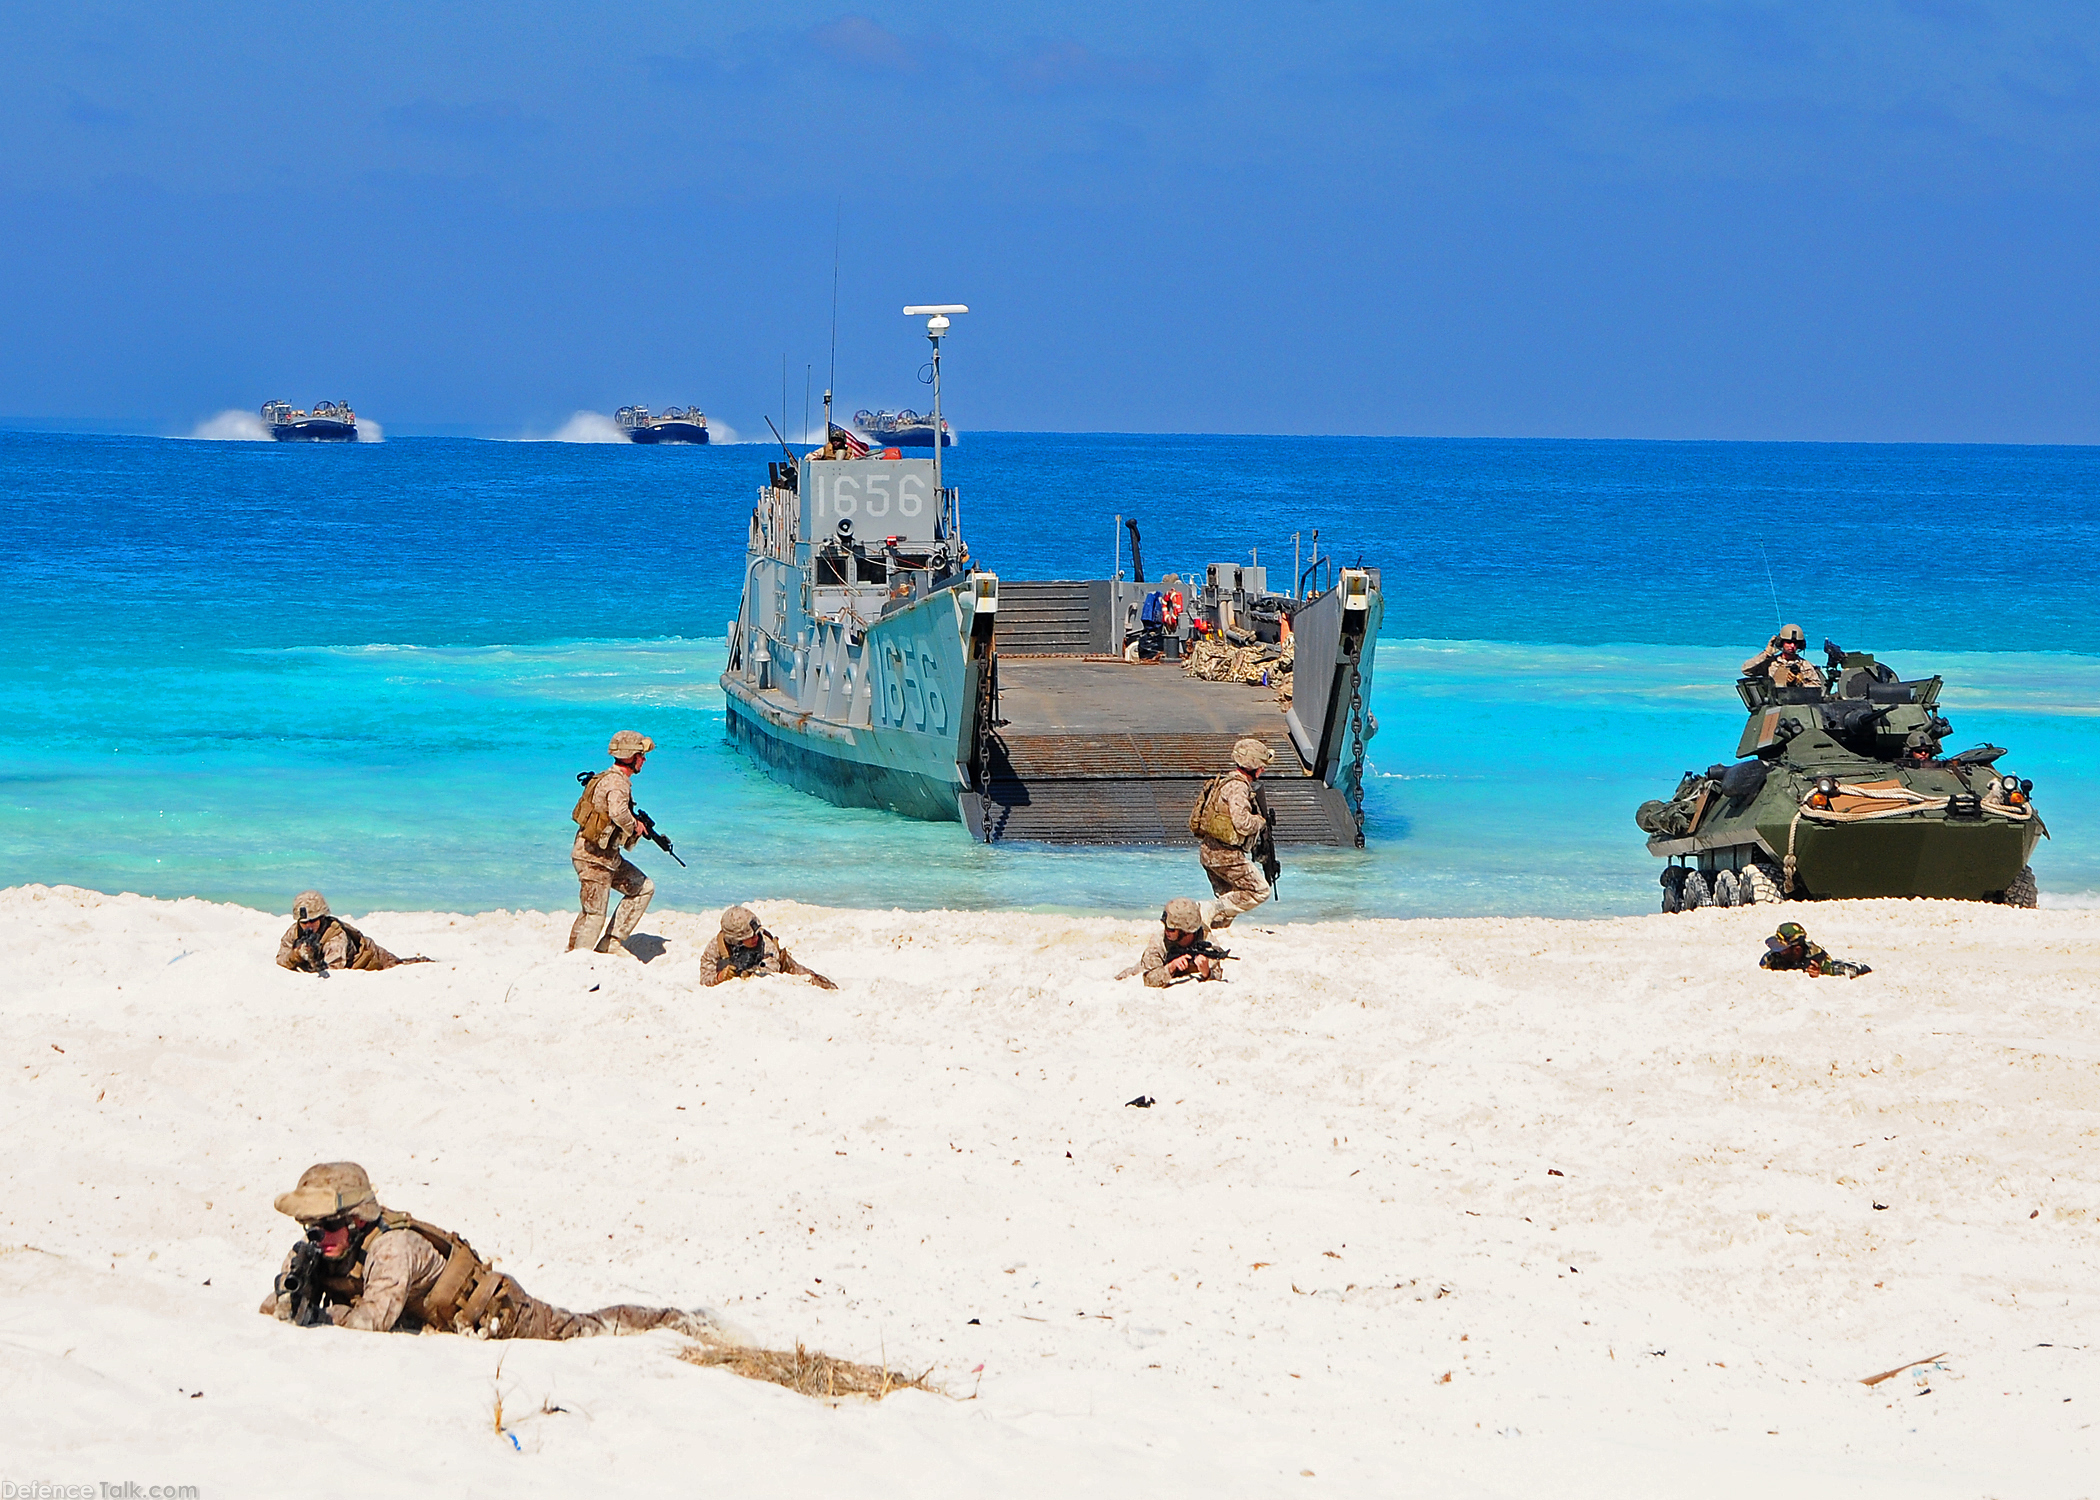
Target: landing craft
x=900 y=429
x=328 y=422
x=1841 y=791
x=873 y=663
x=671 y=425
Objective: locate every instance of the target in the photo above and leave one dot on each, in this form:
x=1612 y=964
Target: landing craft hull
x=669 y=432
x=316 y=430
x=908 y=437
x=895 y=711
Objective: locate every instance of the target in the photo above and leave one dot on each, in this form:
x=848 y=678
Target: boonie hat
x=329 y=1188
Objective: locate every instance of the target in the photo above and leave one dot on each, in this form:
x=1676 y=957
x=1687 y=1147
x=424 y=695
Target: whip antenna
x=1776 y=612
x=831 y=373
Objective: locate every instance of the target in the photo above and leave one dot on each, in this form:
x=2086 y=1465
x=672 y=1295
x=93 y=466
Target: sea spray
x=369 y=431
x=584 y=427
x=232 y=427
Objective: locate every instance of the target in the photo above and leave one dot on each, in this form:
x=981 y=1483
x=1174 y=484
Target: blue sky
x=1873 y=220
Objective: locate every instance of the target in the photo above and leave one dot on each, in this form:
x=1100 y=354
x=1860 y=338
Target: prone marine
x=318 y=941
x=366 y=1267
x=1789 y=948
x=744 y=948
x=1180 y=950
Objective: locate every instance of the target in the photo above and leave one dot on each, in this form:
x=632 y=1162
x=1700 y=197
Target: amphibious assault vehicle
x=1841 y=791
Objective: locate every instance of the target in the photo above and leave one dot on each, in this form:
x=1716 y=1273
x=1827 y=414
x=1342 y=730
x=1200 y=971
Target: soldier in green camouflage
x=1789 y=948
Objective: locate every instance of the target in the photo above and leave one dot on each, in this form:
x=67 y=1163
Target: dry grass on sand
x=812 y=1374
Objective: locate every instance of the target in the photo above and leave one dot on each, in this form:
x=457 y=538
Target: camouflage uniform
x=1236 y=879
x=380 y=1285
x=603 y=868
x=1152 y=963
x=1782 y=670
x=717 y=960
x=1789 y=948
x=342 y=947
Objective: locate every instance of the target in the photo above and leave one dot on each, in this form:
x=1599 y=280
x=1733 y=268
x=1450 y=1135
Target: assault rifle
x=648 y=824
x=309 y=943
x=301 y=1282
x=1265 y=845
x=649 y=832
x=1207 y=949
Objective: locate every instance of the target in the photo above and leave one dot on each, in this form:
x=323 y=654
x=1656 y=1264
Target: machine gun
x=1265 y=845
x=301 y=1282
x=1833 y=658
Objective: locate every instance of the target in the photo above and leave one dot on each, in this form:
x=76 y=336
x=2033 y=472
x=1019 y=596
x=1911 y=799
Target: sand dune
x=1483 y=1207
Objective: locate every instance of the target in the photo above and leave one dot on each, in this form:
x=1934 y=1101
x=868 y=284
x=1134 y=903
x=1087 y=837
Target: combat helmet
x=738 y=923
x=1793 y=633
x=329 y=1188
x=308 y=906
x=1251 y=754
x=1792 y=932
x=627 y=742
x=1183 y=915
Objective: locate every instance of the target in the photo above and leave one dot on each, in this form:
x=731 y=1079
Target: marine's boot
x=587 y=930
x=626 y=919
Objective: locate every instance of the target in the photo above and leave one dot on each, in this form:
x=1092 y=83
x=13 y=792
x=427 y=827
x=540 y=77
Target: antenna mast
x=831 y=373
x=936 y=325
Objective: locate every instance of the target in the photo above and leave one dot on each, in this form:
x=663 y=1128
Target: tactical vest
x=467 y=1291
x=599 y=830
x=1211 y=818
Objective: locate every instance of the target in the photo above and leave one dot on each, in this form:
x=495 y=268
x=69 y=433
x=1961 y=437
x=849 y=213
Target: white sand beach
x=1427 y=1208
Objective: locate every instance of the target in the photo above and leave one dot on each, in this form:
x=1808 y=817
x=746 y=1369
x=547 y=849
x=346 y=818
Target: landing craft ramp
x=1087 y=748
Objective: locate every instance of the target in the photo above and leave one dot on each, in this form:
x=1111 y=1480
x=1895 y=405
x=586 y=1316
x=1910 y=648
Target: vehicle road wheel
x=1725 y=889
x=1697 y=892
x=1760 y=886
x=1673 y=888
x=2023 y=891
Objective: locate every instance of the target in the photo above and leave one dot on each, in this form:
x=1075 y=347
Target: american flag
x=854 y=446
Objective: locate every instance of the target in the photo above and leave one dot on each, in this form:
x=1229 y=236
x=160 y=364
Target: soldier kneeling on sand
x=744 y=948
x=1789 y=948
x=366 y=1267
x=1176 y=950
x=318 y=941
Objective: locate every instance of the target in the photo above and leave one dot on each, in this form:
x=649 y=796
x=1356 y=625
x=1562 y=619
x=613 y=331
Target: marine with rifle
x=1789 y=948
x=1234 y=825
x=319 y=942
x=744 y=949
x=364 y=1267
x=1180 y=950
x=607 y=825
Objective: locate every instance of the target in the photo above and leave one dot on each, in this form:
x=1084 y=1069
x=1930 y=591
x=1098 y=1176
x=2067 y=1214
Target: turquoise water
x=238 y=670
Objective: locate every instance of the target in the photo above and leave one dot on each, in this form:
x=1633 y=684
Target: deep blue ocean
x=238 y=669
